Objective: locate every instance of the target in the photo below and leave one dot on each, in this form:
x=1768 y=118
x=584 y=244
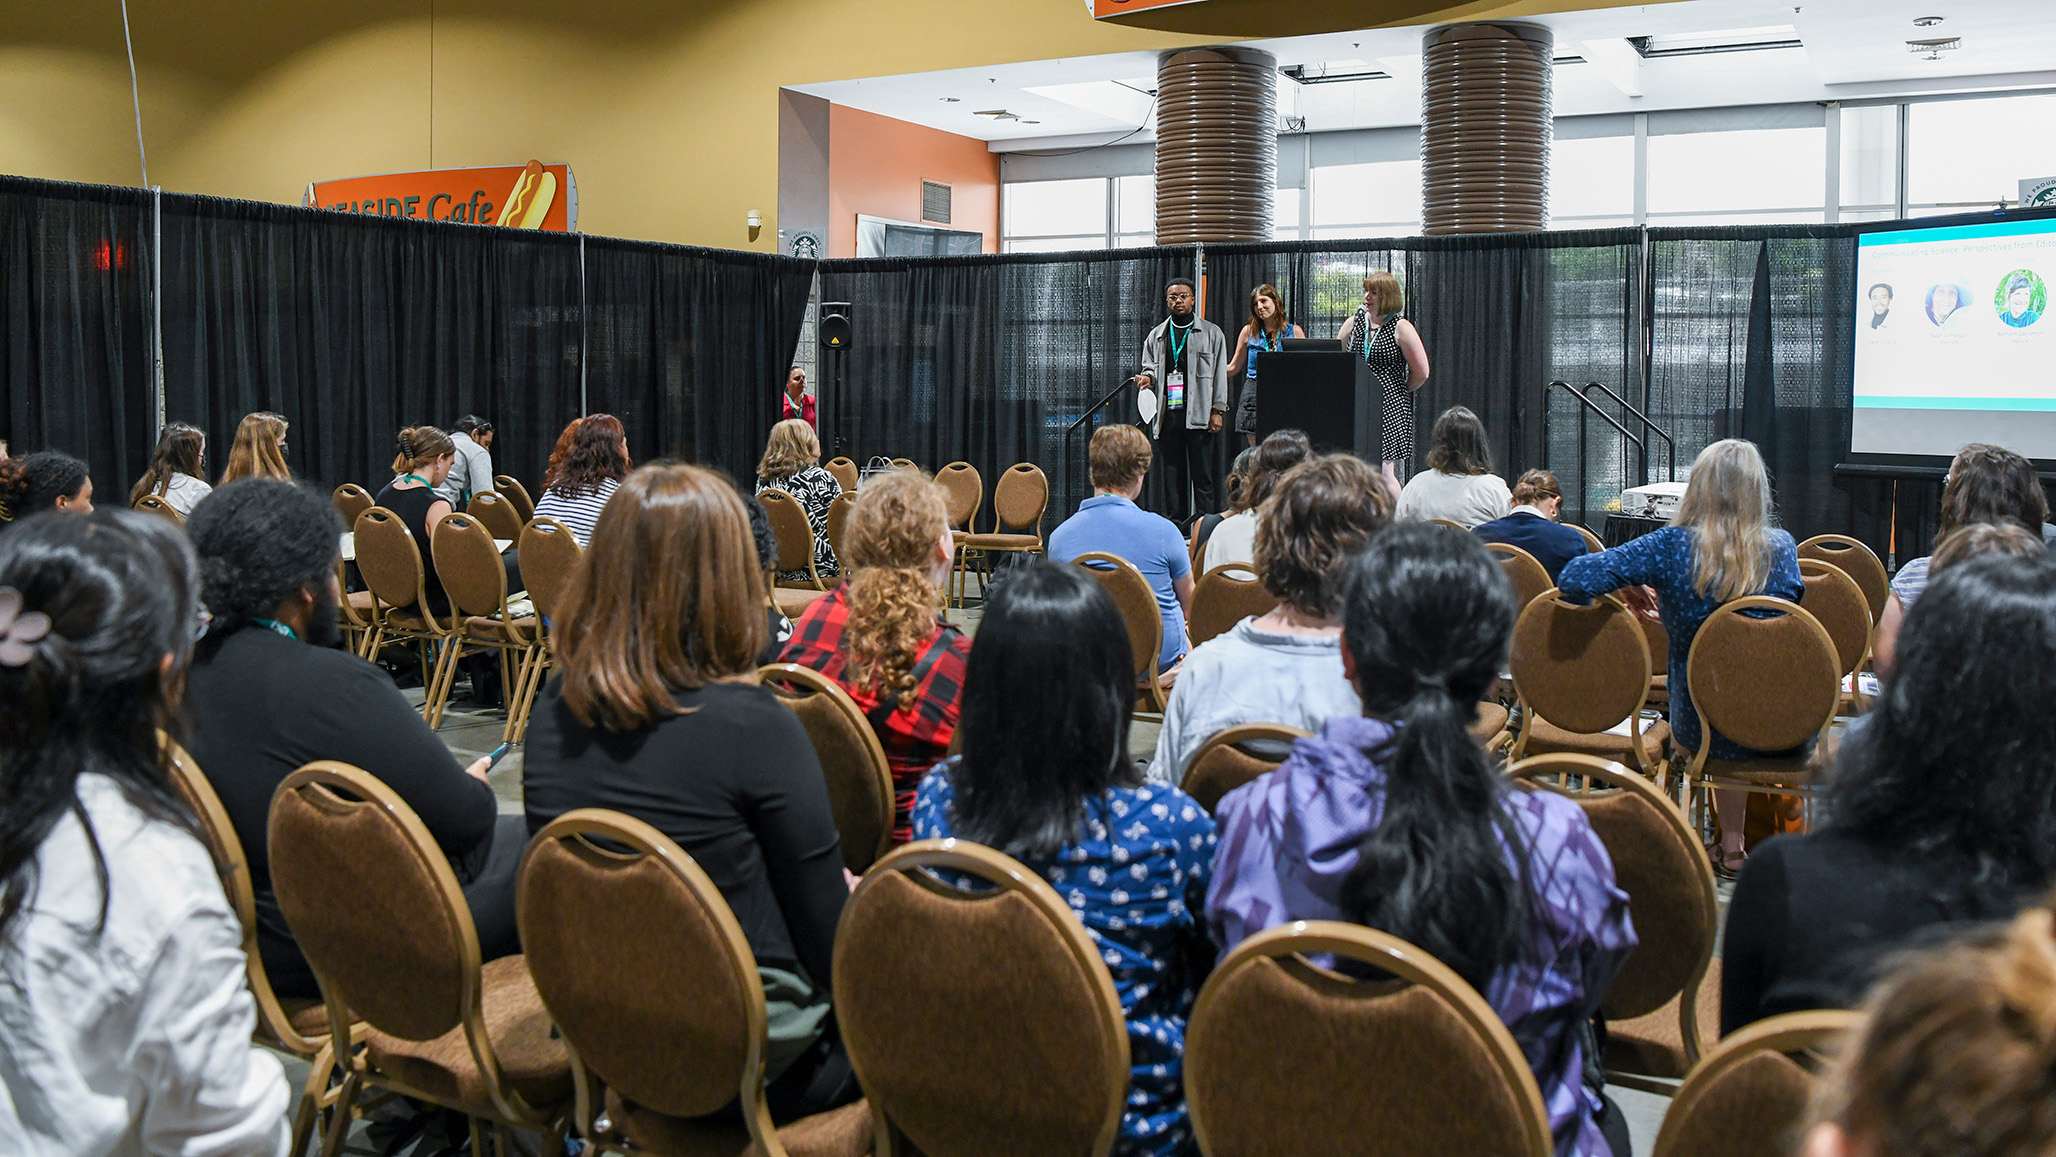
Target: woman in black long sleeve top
x=1942 y=810
x=655 y=715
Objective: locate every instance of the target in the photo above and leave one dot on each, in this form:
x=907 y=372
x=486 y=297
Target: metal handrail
x=1096 y=407
x=1594 y=407
x=1647 y=423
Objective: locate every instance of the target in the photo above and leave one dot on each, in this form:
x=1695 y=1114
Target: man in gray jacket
x=1185 y=367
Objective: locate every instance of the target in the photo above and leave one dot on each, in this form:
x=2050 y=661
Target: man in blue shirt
x=1110 y=521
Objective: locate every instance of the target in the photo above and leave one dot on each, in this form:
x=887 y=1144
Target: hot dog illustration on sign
x=534 y=190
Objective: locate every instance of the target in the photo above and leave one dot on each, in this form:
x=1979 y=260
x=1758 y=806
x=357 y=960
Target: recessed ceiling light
x=950 y=100
x=1030 y=122
x=1926 y=21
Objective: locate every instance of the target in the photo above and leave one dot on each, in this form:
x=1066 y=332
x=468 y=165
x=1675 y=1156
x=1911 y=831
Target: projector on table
x=1656 y=500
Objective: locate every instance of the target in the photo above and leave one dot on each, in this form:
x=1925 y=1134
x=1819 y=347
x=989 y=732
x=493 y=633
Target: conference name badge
x=1174 y=389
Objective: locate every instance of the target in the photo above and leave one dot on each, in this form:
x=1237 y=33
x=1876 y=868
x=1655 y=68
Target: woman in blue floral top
x=1045 y=777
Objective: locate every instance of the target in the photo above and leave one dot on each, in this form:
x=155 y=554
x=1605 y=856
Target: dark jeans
x=1188 y=458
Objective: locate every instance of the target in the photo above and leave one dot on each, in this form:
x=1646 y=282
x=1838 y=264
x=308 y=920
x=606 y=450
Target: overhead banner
x=1101 y=9
x=531 y=196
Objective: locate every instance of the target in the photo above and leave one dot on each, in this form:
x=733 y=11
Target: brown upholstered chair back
x=1857 y=561
x=1592 y=543
x=789 y=526
x=852 y=760
x=388 y=558
x=1225 y=596
x=1261 y=1071
x=1749 y=1096
x=500 y=516
x=905 y=464
x=1137 y=601
x=469 y=567
x=1582 y=668
x=1450 y=523
x=152 y=504
x=351 y=500
x=372 y=902
x=1769 y=684
x=1528 y=577
x=1658 y=862
x=672 y=1017
x=550 y=557
x=1231 y=758
x=513 y=491
x=845 y=472
x=1659 y=639
x=1021 y=498
x=965 y=491
x=1016 y=1045
x=838 y=522
x=1835 y=599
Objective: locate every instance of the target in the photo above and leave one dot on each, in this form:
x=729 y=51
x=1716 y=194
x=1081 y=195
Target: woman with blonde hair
x=655 y=714
x=792 y=463
x=1266 y=330
x=881 y=634
x=259 y=450
x=1392 y=348
x=1720 y=546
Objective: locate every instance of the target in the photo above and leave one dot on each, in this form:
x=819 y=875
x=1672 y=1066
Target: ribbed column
x=1485 y=128
x=1217 y=145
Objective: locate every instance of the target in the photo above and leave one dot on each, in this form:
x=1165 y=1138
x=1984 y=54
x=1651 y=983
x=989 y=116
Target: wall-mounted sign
x=2038 y=192
x=531 y=196
x=1101 y=9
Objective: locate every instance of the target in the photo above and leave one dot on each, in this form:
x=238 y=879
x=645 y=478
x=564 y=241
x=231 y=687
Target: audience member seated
x=1109 y=521
x=1982 y=538
x=127 y=1023
x=1394 y=819
x=1235 y=488
x=792 y=463
x=259 y=450
x=654 y=713
x=881 y=634
x=1458 y=484
x=45 y=480
x=1956 y=1056
x=1533 y=525
x=270 y=692
x=1987 y=484
x=472 y=472
x=1045 y=777
x=1285 y=666
x=178 y=469
x=1235 y=539
x=777 y=628
x=1719 y=547
x=586 y=468
x=424 y=460
x=1942 y=806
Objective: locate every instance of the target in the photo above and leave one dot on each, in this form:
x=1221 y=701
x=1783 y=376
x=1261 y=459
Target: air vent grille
x=935 y=202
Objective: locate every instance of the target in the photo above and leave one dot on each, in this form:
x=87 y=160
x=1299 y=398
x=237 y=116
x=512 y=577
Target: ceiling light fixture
x=951 y=100
x=998 y=114
x=1926 y=21
x=1933 y=49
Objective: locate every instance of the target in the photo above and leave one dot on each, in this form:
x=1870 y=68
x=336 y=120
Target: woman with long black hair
x=1046 y=778
x=1396 y=820
x=128 y=1023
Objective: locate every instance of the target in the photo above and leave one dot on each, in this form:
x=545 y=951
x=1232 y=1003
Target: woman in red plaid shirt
x=881 y=634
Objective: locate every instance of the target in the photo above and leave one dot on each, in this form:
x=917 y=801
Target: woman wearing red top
x=881 y=635
x=798 y=402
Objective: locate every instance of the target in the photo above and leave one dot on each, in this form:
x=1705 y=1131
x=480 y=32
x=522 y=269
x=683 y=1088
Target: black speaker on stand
x=836 y=334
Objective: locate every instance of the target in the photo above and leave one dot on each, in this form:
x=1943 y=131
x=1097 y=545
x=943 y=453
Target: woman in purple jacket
x=1395 y=820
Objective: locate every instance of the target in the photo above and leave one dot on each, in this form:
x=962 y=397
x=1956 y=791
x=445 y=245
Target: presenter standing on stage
x=1267 y=330
x=1185 y=360
x=1390 y=345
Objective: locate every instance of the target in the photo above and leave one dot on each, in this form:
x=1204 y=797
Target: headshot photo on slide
x=1880 y=296
x=1944 y=300
x=2021 y=298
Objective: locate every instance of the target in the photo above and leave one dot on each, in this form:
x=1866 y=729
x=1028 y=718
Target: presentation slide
x=1953 y=340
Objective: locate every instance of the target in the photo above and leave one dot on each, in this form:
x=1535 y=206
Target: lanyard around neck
x=275 y=625
x=413 y=478
x=1179 y=335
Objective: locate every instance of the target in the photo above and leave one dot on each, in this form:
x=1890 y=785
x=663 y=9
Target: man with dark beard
x=1185 y=368
x=269 y=691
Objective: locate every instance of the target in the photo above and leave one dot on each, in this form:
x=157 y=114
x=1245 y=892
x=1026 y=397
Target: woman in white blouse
x=1458 y=484
x=126 y=1020
x=178 y=469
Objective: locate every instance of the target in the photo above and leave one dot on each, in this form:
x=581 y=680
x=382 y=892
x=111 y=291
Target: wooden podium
x=1325 y=390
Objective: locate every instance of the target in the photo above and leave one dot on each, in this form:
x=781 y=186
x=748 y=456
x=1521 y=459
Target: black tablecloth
x=1622 y=527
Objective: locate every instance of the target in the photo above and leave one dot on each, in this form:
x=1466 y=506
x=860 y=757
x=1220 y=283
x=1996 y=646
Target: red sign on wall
x=531 y=196
x=1101 y=9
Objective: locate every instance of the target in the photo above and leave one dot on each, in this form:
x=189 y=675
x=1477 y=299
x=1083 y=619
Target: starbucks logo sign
x=805 y=245
x=2038 y=193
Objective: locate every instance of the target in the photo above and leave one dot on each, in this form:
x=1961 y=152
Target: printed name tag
x=1174 y=390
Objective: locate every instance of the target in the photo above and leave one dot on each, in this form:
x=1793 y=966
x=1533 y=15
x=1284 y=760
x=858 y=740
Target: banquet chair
x=1592 y=543
x=390 y=561
x=1580 y=673
x=1279 y=1048
x=1835 y=599
x=1529 y=578
x=475 y=578
x=838 y=523
x=378 y=912
x=1450 y=523
x=550 y=558
x=1751 y=1096
x=1857 y=561
x=154 y=504
x=1663 y=1007
x=1231 y=758
x=795 y=537
x=1036 y=1065
x=905 y=464
x=965 y=492
x=511 y=489
x=298 y=1027
x=501 y=517
x=1771 y=684
x=860 y=790
x=1019 y=500
x=1220 y=600
x=845 y=471
x=354 y=612
x=351 y=500
x=692 y=1038
x=1145 y=622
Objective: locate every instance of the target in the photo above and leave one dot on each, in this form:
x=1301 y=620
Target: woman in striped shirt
x=586 y=468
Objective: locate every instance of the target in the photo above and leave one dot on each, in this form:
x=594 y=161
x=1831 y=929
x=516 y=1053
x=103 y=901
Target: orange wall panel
x=876 y=165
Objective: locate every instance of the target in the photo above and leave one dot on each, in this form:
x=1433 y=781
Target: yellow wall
x=667 y=110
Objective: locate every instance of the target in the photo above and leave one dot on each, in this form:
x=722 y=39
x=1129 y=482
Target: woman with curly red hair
x=586 y=468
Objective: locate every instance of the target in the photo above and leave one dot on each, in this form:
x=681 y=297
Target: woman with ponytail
x=881 y=634
x=45 y=480
x=1396 y=820
x=422 y=460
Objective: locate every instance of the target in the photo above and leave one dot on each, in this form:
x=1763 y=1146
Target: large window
x=1592 y=182
x=1969 y=154
x=1376 y=199
x=1744 y=176
x=1085 y=213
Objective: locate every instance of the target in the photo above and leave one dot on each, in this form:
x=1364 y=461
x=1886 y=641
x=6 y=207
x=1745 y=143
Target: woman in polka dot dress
x=1046 y=778
x=1390 y=345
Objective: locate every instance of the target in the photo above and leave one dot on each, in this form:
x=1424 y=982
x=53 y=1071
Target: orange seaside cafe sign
x=531 y=196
